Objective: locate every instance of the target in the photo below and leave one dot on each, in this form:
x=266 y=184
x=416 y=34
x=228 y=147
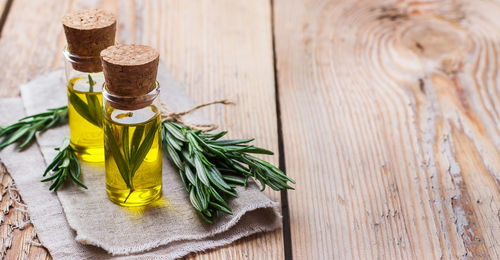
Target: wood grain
x=219 y=49
x=391 y=127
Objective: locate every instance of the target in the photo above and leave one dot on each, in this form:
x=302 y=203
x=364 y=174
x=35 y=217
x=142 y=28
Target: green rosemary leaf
x=193 y=141
x=275 y=176
x=172 y=129
x=136 y=139
x=61 y=179
x=179 y=143
x=272 y=168
x=65 y=163
x=189 y=159
x=173 y=156
x=204 y=159
x=28 y=139
x=65 y=145
x=36 y=116
x=77 y=181
x=216 y=178
x=54 y=163
x=58 y=181
x=274 y=185
x=231 y=142
x=91 y=83
x=190 y=175
x=239 y=168
x=235 y=180
x=209 y=147
x=202 y=197
x=82 y=108
x=183 y=179
x=207 y=219
x=194 y=201
x=214 y=136
x=114 y=149
x=95 y=107
x=171 y=141
x=258 y=150
x=125 y=144
x=143 y=149
x=221 y=208
x=217 y=196
x=262 y=182
x=76 y=165
x=14 y=137
x=52 y=122
x=50 y=178
x=208 y=213
x=201 y=170
x=190 y=149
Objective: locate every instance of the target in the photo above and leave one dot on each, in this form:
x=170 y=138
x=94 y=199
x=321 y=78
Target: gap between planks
x=285 y=211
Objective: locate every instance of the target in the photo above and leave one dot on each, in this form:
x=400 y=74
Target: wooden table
x=386 y=113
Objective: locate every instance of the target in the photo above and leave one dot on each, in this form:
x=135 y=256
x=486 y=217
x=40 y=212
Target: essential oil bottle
x=88 y=32
x=132 y=132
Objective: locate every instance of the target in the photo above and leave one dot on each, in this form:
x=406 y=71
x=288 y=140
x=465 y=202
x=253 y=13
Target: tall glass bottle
x=132 y=125
x=88 y=32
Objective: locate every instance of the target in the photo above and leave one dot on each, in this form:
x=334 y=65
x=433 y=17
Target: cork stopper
x=88 y=32
x=130 y=71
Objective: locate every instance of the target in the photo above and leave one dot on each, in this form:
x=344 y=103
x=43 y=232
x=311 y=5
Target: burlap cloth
x=84 y=224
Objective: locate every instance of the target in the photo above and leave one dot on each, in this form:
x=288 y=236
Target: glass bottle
x=132 y=126
x=85 y=108
x=88 y=32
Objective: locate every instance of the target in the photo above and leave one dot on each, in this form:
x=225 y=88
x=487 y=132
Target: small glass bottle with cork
x=88 y=32
x=132 y=124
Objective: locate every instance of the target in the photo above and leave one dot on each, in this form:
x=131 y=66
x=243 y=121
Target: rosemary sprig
x=129 y=155
x=63 y=165
x=23 y=132
x=211 y=168
x=92 y=110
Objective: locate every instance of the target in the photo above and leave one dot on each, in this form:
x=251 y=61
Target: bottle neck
x=130 y=102
x=87 y=64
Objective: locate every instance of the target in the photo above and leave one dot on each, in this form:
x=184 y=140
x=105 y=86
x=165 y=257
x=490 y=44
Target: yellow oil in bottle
x=85 y=116
x=133 y=155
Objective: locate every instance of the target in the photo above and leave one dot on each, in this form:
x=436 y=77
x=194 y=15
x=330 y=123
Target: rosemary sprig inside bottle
x=64 y=165
x=91 y=110
x=211 y=168
x=23 y=132
x=128 y=146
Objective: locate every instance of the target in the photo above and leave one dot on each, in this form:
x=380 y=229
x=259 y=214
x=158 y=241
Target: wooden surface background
x=386 y=113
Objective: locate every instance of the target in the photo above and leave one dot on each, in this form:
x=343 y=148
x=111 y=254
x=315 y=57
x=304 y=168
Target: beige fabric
x=168 y=229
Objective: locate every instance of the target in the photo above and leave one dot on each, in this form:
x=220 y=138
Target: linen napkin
x=84 y=224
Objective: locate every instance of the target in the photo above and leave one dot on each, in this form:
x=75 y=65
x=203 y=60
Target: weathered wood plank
x=396 y=140
x=219 y=49
x=30 y=44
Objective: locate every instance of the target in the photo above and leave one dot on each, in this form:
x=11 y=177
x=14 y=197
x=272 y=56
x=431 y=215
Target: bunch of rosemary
x=63 y=165
x=211 y=168
x=23 y=132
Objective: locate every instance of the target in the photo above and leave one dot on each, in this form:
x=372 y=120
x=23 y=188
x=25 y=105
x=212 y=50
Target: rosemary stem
x=130 y=193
